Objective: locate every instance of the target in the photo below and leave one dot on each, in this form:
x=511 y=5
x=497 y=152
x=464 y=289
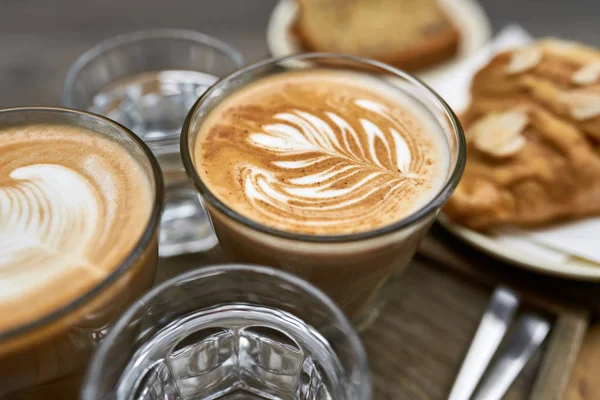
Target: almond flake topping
x=500 y=134
x=587 y=75
x=582 y=104
x=523 y=60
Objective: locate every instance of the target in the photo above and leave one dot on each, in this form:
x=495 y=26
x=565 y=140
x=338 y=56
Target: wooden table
x=40 y=39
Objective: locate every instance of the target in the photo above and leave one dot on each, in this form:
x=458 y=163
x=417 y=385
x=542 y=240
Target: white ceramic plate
x=571 y=267
x=467 y=14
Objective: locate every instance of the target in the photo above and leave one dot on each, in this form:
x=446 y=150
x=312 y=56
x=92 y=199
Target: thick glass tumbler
x=231 y=332
x=67 y=305
x=147 y=81
x=350 y=268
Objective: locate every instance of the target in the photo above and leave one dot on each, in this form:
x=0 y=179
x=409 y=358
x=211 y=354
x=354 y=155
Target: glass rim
x=99 y=358
x=436 y=201
x=131 y=37
x=140 y=246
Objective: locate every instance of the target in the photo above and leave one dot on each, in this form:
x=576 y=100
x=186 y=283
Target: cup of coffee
x=331 y=167
x=80 y=203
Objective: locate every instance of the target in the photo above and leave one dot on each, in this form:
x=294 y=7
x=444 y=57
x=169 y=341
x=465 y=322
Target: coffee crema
x=73 y=204
x=321 y=152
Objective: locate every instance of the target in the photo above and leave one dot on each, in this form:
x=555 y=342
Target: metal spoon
x=493 y=326
x=529 y=334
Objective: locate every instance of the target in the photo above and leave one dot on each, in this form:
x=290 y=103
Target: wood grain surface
x=417 y=344
x=584 y=383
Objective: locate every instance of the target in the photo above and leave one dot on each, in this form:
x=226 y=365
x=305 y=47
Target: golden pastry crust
x=533 y=133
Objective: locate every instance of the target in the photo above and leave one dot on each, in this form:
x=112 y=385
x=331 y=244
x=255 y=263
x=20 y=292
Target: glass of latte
x=80 y=202
x=331 y=167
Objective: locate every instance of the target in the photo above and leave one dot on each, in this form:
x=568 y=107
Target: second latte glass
x=57 y=301
x=351 y=268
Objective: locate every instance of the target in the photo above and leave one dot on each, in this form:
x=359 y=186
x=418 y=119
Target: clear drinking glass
x=148 y=81
x=231 y=332
x=45 y=358
x=349 y=268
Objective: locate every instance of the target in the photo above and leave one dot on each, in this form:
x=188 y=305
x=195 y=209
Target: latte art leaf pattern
x=302 y=132
x=366 y=163
x=320 y=152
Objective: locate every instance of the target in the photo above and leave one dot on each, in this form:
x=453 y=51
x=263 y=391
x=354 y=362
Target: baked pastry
x=533 y=134
x=408 y=34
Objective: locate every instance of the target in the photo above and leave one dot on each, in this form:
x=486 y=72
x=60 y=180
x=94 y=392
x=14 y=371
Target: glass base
x=185 y=227
x=234 y=351
x=242 y=395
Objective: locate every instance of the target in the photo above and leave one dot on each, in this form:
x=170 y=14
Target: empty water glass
x=231 y=332
x=148 y=81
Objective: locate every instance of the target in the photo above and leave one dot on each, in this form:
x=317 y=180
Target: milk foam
x=51 y=214
x=324 y=152
x=62 y=212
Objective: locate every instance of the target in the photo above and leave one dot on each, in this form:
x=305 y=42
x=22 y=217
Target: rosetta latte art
x=320 y=153
x=302 y=140
x=51 y=220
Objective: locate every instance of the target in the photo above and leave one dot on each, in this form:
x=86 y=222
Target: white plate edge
x=571 y=269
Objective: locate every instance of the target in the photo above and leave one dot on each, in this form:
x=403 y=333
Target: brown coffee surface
x=73 y=204
x=323 y=152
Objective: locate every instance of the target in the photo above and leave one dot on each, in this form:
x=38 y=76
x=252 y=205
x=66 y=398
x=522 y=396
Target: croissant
x=533 y=134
